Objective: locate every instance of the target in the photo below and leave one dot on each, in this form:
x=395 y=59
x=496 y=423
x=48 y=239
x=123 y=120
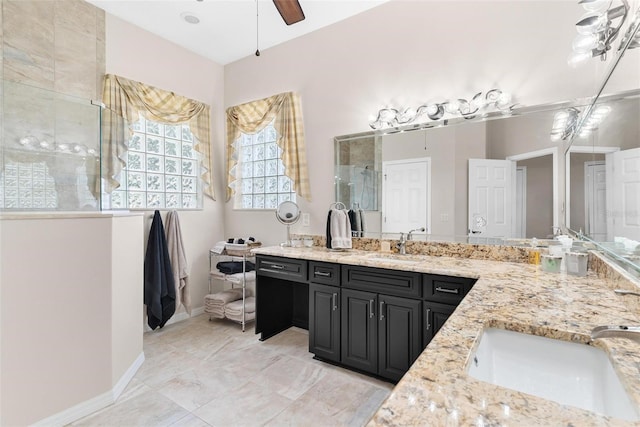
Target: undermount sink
x=394 y=259
x=565 y=372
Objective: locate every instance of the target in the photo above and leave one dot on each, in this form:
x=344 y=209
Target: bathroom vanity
x=346 y=298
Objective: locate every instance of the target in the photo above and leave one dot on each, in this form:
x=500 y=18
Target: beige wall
x=539 y=203
x=55 y=315
x=139 y=55
x=405 y=53
x=127 y=277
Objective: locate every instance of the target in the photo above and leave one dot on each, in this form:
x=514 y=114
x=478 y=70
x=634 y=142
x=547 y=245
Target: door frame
x=584 y=149
x=554 y=159
x=426 y=160
x=521 y=219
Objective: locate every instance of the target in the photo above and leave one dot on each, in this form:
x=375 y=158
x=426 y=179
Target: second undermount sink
x=565 y=372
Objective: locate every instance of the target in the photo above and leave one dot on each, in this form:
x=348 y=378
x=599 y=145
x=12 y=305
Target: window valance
x=286 y=112
x=125 y=100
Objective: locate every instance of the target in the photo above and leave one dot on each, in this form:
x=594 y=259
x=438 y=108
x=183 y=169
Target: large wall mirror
x=578 y=176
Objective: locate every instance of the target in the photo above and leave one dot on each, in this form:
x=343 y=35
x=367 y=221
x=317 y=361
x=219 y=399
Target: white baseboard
x=127 y=376
x=183 y=315
x=94 y=404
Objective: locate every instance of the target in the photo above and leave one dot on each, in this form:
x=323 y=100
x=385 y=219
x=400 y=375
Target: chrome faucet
x=402 y=245
x=631 y=332
x=421 y=229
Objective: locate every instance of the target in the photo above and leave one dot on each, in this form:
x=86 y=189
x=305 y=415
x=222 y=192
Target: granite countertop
x=520 y=297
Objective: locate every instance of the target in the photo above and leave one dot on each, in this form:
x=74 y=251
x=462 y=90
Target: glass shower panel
x=49 y=151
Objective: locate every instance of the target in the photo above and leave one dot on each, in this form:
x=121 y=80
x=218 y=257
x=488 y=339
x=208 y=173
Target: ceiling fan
x=290 y=10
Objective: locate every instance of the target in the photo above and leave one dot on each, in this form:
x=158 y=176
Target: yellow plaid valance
x=286 y=112
x=125 y=100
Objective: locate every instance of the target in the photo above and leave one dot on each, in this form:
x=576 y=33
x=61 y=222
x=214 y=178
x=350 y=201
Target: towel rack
x=337 y=205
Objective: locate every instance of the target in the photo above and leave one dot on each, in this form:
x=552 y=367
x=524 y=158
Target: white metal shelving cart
x=235 y=279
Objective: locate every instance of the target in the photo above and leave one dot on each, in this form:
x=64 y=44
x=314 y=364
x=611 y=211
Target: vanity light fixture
x=30 y=142
x=597 y=29
x=567 y=122
x=480 y=103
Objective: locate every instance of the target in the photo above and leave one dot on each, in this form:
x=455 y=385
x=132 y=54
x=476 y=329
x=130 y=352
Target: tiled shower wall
x=52 y=64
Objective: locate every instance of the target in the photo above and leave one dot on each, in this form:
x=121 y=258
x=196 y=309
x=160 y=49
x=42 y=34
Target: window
x=262 y=182
x=162 y=171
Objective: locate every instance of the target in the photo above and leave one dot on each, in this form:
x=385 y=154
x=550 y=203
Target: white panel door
x=491 y=198
x=623 y=169
x=596 y=200
x=406 y=195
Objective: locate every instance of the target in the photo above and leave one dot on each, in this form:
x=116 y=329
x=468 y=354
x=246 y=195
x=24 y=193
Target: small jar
x=551 y=263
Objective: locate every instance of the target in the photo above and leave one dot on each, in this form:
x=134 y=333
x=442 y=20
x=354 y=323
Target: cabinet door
x=359 y=343
x=399 y=336
x=434 y=317
x=324 y=321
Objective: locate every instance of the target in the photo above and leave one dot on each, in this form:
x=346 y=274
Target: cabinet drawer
x=390 y=282
x=324 y=273
x=283 y=268
x=446 y=289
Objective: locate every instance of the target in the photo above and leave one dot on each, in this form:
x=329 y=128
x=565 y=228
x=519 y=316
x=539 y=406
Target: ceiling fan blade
x=290 y=10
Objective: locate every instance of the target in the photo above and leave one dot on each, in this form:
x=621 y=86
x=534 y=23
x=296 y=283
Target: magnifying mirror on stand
x=288 y=213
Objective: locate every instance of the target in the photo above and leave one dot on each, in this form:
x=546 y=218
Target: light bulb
x=503 y=100
x=577 y=58
x=452 y=107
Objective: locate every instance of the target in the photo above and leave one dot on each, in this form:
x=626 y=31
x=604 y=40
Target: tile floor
x=208 y=373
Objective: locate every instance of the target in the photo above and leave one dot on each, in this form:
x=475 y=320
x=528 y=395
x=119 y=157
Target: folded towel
x=219 y=247
x=225 y=296
x=238 y=317
x=234 y=278
x=232 y=267
x=363 y=227
x=235 y=307
x=340 y=229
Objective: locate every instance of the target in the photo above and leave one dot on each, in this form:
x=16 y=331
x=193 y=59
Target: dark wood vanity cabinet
x=282 y=295
x=442 y=294
x=371 y=319
x=324 y=310
x=381 y=333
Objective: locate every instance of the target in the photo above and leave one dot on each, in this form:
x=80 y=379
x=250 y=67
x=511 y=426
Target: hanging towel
x=363 y=227
x=178 y=259
x=159 y=287
x=358 y=227
x=352 y=220
x=328 y=237
x=340 y=229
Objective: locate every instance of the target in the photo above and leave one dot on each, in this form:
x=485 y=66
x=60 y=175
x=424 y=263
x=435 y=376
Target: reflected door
x=491 y=198
x=623 y=179
x=406 y=195
x=595 y=200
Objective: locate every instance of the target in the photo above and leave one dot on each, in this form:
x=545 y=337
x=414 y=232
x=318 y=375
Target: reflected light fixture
x=567 y=122
x=480 y=103
x=597 y=30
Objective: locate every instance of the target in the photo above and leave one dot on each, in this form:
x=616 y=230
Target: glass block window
x=261 y=182
x=162 y=171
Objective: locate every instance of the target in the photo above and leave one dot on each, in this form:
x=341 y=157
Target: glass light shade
x=577 y=58
x=595 y=5
x=452 y=107
x=585 y=42
x=591 y=24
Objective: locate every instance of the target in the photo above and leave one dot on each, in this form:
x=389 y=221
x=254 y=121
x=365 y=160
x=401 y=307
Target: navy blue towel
x=159 y=286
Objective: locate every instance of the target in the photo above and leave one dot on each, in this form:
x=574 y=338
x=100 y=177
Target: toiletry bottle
x=534 y=253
